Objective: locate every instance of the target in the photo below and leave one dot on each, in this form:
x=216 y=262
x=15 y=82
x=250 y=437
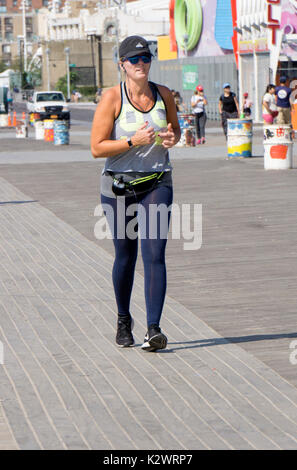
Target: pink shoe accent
x=203 y=140
x=198 y=141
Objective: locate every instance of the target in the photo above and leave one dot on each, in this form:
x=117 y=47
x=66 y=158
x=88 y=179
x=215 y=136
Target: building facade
x=265 y=45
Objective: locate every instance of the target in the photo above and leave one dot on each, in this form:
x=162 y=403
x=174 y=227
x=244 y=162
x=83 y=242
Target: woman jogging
x=134 y=126
x=198 y=103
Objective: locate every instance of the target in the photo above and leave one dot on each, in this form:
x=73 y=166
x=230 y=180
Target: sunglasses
x=146 y=59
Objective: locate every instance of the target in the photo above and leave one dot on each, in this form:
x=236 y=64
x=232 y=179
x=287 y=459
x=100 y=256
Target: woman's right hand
x=144 y=135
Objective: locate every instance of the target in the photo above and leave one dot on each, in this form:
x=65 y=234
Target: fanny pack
x=120 y=187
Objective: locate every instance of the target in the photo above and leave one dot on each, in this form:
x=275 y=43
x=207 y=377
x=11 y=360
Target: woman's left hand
x=168 y=137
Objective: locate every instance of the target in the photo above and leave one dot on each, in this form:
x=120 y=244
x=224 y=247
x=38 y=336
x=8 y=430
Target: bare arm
x=172 y=135
x=237 y=104
x=266 y=106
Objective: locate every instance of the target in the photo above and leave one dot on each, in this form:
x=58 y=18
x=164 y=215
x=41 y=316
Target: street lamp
x=67 y=51
x=47 y=51
x=23 y=8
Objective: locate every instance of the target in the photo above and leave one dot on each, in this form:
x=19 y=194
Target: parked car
x=49 y=105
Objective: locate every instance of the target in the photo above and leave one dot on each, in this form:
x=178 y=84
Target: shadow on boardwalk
x=200 y=343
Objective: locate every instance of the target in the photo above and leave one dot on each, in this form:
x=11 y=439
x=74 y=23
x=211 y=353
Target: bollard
x=4 y=120
x=278 y=147
x=49 y=130
x=21 y=131
x=61 y=132
x=188 y=130
x=39 y=130
x=239 y=137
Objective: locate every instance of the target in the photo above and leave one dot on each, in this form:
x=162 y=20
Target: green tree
x=61 y=84
x=2 y=66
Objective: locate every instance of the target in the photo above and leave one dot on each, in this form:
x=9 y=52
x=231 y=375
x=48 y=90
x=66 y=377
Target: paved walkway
x=64 y=384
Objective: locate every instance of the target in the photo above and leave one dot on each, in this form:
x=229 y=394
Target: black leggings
x=153 y=235
x=200 y=121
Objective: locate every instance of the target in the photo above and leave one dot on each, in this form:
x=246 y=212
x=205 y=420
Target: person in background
x=269 y=110
x=198 y=103
x=178 y=101
x=98 y=95
x=9 y=101
x=283 y=103
x=228 y=106
x=246 y=106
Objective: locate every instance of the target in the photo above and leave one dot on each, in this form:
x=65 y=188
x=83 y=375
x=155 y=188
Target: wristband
x=130 y=142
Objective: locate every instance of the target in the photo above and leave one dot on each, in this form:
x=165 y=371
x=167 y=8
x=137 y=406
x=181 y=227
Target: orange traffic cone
x=9 y=120
x=14 y=119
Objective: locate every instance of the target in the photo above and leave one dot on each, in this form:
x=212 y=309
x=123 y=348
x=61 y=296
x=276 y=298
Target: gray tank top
x=144 y=158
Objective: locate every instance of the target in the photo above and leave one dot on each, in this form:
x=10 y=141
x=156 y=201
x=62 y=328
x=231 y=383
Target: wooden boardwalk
x=226 y=380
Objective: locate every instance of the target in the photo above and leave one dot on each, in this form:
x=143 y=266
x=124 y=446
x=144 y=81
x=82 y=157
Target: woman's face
x=227 y=90
x=137 y=71
x=272 y=91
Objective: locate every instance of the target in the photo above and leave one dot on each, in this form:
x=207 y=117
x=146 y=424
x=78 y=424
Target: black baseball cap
x=134 y=45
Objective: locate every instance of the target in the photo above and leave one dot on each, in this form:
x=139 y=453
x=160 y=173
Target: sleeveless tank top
x=144 y=158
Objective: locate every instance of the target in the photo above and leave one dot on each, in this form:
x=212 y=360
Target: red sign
x=273 y=24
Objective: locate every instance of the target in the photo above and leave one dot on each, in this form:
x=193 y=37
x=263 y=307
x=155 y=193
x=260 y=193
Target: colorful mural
x=289 y=27
x=213 y=28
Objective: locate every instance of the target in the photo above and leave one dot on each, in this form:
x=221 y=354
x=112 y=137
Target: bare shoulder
x=112 y=94
x=110 y=102
x=164 y=91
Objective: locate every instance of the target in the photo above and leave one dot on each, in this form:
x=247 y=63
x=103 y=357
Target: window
x=8 y=29
x=6 y=49
x=8 y=24
x=29 y=25
x=3 y=6
x=50 y=97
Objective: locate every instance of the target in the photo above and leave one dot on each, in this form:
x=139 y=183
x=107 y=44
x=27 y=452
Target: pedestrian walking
x=228 y=106
x=269 y=109
x=246 y=106
x=198 y=103
x=134 y=126
x=283 y=93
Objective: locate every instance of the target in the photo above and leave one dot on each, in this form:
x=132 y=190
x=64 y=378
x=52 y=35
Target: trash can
x=61 y=132
x=21 y=131
x=49 y=130
x=278 y=147
x=39 y=130
x=3 y=120
x=240 y=137
x=188 y=130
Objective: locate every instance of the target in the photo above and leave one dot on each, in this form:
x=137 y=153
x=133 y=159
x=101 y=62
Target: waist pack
x=120 y=187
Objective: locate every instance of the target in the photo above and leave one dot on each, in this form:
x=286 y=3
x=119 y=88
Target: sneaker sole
x=154 y=343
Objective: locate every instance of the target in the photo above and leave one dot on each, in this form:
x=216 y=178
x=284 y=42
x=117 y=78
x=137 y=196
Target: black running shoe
x=154 y=339
x=124 y=337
